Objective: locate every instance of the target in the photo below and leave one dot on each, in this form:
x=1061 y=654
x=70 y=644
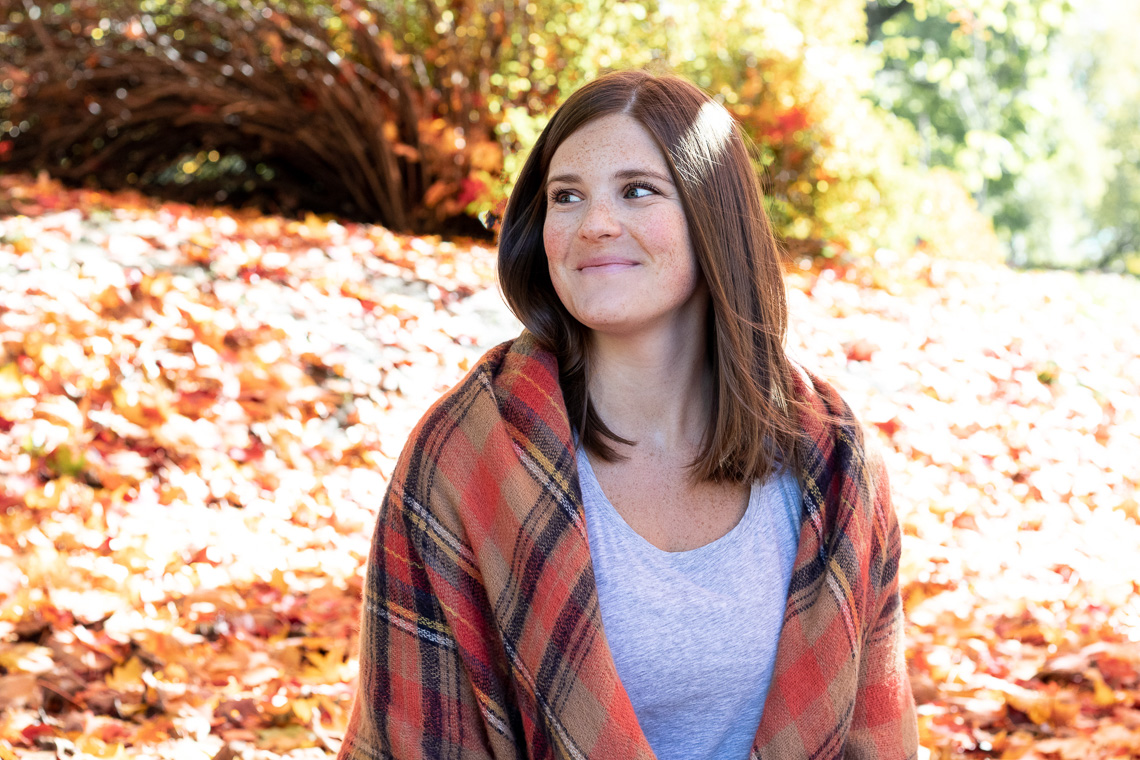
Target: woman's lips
x=606 y=265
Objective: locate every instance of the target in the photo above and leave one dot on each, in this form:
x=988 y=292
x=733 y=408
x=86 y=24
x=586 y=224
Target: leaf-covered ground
x=199 y=409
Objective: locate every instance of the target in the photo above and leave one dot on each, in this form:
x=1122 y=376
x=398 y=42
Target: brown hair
x=753 y=423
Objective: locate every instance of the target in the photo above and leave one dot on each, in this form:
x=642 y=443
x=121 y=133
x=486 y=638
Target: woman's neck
x=655 y=388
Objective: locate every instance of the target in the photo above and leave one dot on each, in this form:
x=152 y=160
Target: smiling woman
x=616 y=241
x=637 y=530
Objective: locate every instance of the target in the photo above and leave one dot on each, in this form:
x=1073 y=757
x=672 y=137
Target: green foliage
x=66 y=461
x=1036 y=105
x=1080 y=186
x=962 y=73
x=1105 y=43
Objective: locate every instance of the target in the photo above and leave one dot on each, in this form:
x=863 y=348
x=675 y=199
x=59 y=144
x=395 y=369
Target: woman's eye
x=563 y=196
x=640 y=191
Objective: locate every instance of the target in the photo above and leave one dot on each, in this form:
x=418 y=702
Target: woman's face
x=616 y=239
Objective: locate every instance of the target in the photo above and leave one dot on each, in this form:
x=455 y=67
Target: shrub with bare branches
x=300 y=107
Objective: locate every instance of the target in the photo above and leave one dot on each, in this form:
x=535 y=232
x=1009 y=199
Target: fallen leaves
x=1007 y=404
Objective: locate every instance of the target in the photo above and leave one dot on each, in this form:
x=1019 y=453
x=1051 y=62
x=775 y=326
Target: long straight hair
x=754 y=420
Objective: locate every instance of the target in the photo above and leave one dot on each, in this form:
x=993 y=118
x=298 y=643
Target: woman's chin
x=609 y=323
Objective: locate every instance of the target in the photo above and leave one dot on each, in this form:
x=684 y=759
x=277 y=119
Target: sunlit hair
x=753 y=424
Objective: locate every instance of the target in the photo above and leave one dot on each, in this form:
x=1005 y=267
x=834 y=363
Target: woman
x=636 y=529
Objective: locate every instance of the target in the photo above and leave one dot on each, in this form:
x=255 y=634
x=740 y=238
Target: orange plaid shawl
x=481 y=635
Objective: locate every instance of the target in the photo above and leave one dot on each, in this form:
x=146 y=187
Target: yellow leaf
x=303 y=709
x=278 y=581
x=1042 y=707
x=327 y=667
x=1039 y=707
x=175 y=673
x=26 y=658
x=285 y=739
x=1056 y=710
x=318 y=227
x=89 y=745
x=486 y=156
x=127 y=676
x=203 y=238
x=1104 y=696
x=11 y=382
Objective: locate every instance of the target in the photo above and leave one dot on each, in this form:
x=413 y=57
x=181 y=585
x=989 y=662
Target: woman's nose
x=600 y=221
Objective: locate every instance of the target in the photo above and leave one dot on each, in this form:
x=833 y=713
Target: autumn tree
x=301 y=105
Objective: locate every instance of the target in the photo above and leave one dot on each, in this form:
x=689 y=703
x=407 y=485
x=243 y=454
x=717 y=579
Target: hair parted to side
x=754 y=418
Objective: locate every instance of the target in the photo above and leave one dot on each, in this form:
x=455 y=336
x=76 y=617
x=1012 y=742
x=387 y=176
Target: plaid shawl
x=481 y=635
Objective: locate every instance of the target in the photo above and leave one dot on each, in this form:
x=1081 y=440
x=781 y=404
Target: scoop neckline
x=615 y=516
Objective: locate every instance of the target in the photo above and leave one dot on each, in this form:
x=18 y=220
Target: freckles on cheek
x=554 y=242
x=551 y=234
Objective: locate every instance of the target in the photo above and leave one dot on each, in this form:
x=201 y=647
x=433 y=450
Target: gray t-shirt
x=694 y=633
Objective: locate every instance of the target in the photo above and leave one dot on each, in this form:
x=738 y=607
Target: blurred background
x=244 y=245
x=878 y=125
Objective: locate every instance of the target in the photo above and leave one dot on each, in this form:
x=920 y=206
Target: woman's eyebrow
x=568 y=178
x=637 y=173
x=621 y=174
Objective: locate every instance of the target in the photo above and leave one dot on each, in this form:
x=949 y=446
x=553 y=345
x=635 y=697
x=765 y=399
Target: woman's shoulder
x=452 y=410
x=515 y=382
x=450 y=475
x=514 y=368
x=837 y=447
x=825 y=411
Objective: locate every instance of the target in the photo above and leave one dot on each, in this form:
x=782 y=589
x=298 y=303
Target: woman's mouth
x=606 y=264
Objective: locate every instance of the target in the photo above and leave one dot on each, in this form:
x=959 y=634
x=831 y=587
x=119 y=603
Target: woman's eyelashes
x=633 y=190
x=563 y=196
